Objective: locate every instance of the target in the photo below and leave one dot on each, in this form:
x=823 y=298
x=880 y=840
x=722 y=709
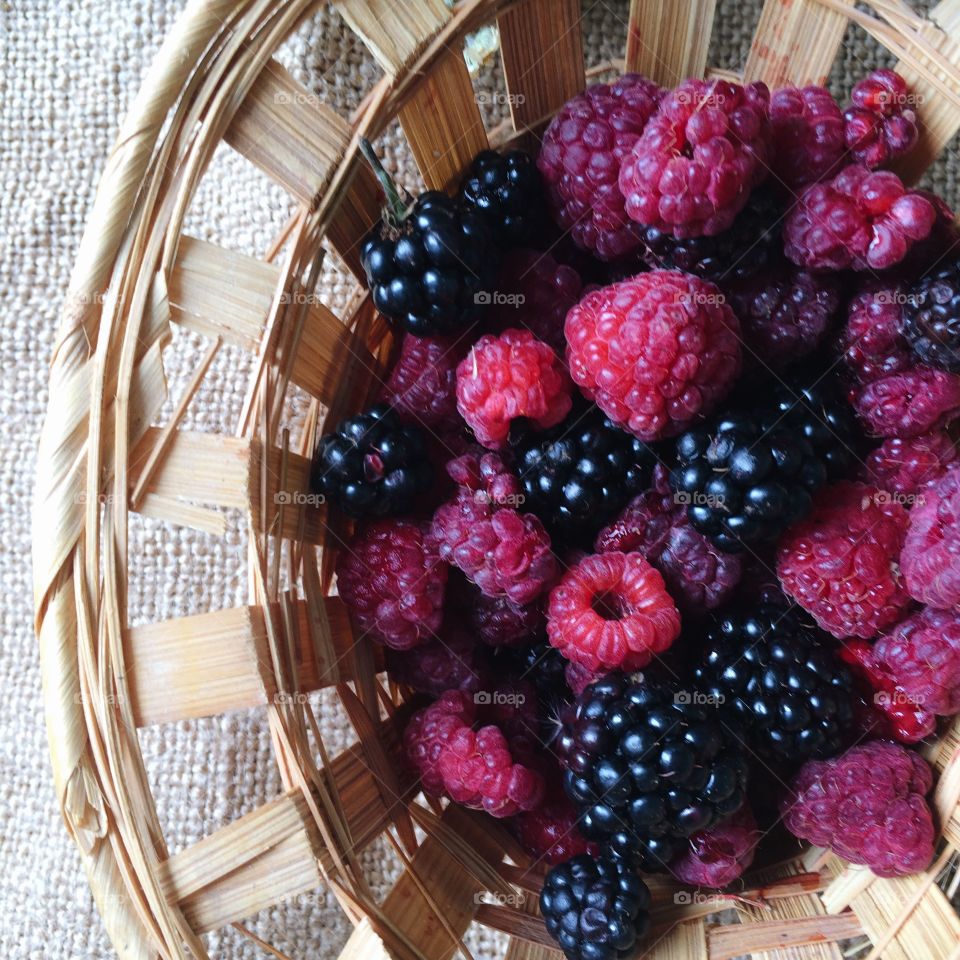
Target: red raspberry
x=909 y=403
x=784 y=313
x=880 y=125
x=428 y=731
x=871 y=341
x=860 y=219
x=612 y=610
x=550 y=834
x=580 y=161
x=534 y=293
x=393 y=581
x=703 y=151
x=868 y=805
x=422 y=386
x=513 y=375
x=931 y=553
x=654 y=352
x=943 y=243
x=718 y=856
x=807 y=130
x=486 y=477
x=698 y=576
x=906 y=466
x=453 y=661
x=841 y=563
x=497 y=622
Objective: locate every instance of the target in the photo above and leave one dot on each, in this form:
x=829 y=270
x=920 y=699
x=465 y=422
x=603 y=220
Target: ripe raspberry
x=497 y=622
x=910 y=403
x=879 y=125
x=486 y=477
x=393 y=581
x=454 y=661
x=808 y=142
x=700 y=155
x=784 y=313
x=940 y=247
x=654 y=352
x=535 y=293
x=860 y=219
x=871 y=341
x=580 y=161
x=698 y=576
x=717 y=856
x=906 y=466
x=931 y=553
x=841 y=563
x=550 y=834
x=868 y=805
x=611 y=610
x=428 y=731
x=422 y=386
x=513 y=375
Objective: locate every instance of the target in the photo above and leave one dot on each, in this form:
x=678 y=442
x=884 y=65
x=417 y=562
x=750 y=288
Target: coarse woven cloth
x=70 y=71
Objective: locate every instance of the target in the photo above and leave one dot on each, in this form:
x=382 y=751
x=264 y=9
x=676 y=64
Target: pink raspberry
x=784 y=313
x=550 y=834
x=430 y=729
x=453 y=661
x=860 y=219
x=534 y=293
x=486 y=477
x=393 y=581
x=580 y=161
x=654 y=352
x=880 y=125
x=841 y=564
x=698 y=576
x=931 y=553
x=513 y=375
x=422 y=386
x=872 y=344
x=718 y=856
x=906 y=466
x=612 y=610
x=909 y=403
x=691 y=171
x=808 y=135
x=868 y=805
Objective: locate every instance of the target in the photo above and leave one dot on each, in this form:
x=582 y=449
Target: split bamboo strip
x=668 y=40
x=684 y=940
x=759 y=939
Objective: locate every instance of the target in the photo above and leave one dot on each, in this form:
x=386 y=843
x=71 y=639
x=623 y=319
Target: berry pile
x=675 y=395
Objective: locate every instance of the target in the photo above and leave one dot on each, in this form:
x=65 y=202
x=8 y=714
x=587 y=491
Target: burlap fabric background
x=69 y=72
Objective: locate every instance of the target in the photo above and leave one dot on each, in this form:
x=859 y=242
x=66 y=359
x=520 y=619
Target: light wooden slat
x=541 y=46
x=394 y=32
x=795 y=43
x=667 y=41
x=737 y=940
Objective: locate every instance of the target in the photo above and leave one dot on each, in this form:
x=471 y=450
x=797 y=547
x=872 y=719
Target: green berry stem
x=398 y=203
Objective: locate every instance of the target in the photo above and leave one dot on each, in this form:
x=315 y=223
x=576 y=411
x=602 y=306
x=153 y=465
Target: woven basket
x=103 y=456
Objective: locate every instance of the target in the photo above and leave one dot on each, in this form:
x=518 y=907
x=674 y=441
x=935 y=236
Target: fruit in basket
x=550 y=833
x=931 y=318
x=808 y=135
x=880 y=123
x=908 y=403
x=930 y=559
x=872 y=343
x=430 y=263
x=422 y=386
x=718 y=856
x=904 y=467
x=700 y=155
x=654 y=352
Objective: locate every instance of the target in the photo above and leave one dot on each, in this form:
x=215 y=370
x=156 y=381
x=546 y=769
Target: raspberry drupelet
x=880 y=123
x=930 y=559
x=906 y=466
x=808 y=135
x=717 y=856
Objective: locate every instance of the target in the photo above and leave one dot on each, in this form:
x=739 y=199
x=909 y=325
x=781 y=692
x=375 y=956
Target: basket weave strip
x=102 y=456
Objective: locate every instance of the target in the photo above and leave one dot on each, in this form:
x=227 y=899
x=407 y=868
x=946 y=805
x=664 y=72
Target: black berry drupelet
x=749 y=245
x=372 y=465
x=648 y=764
x=779 y=676
x=579 y=475
x=430 y=264
x=596 y=908
x=505 y=190
x=931 y=318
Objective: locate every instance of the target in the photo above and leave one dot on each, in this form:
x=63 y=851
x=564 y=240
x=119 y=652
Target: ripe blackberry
x=596 y=908
x=648 y=764
x=931 y=318
x=430 y=264
x=779 y=676
x=580 y=474
x=505 y=190
x=746 y=247
x=372 y=465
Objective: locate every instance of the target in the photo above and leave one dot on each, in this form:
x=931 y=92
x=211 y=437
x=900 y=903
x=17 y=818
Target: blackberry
x=372 y=465
x=778 y=675
x=931 y=318
x=596 y=908
x=579 y=475
x=505 y=190
x=648 y=764
x=751 y=242
x=430 y=264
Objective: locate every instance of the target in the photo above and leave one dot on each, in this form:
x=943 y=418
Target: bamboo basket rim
x=136 y=274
